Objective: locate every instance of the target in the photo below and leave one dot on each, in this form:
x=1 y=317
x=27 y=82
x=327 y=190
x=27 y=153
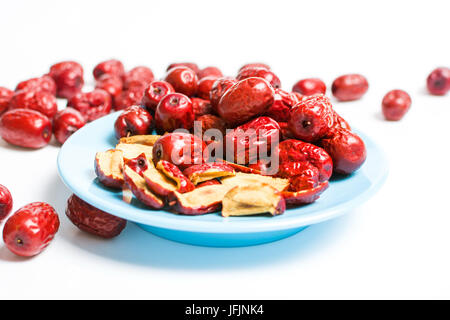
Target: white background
x=395 y=246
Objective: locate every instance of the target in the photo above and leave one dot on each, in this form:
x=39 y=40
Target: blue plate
x=76 y=169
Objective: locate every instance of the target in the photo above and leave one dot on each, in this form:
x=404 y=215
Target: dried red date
x=93 y=220
x=244 y=100
x=66 y=122
x=112 y=67
x=310 y=86
x=25 y=128
x=68 y=76
x=92 y=105
x=349 y=87
x=183 y=80
x=396 y=104
x=37 y=100
x=5 y=98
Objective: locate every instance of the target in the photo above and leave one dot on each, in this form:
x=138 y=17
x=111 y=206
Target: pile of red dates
x=228 y=143
x=298 y=140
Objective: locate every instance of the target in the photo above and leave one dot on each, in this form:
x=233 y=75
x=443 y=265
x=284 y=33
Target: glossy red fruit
x=138 y=164
x=37 y=100
x=68 y=76
x=6 y=202
x=208 y=72
x=339 y=123
x=25 y=128
x=112 y=67
x=311 y=119
x=190 y=65
x=111 y=84
x=244 y=100
x=204 y=86
x=201 y=107
x=183 y=79
x=438 y=82
x=154 y=93
x=247 y=141
x=142 y=75
x=5 y=98
x=260 y=73
x=31 y=229
x=310 y=86
x=181 y=149
x=283 y=103
x=255 y=65
x=396 y=104
x=301 y=175
x=349 y=87
x=93 y=220
x=133 y=121
x=174 y=111
x=292 y=150
x=92 y=105
x=130 y=97
x=346 y=149
x=219 y=87
x=44 y=83
x=66 y=122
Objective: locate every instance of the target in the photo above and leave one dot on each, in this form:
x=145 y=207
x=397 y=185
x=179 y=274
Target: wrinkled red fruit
x=208 y=72
x=438 y=82
x=112 y=67
x=347 y=151
x=181 y=149
x=133 y=121
x=68 y=76
x=130 y=97
x=311 y=119
x=204 y=86
x=244 y=100
x=298 y=151
x=92 y=105
x=349 y=87
x=296 y=198
x=247 y=141
x=93 y=220
x=190 y=65
x=25 y=128
x=6 y=202
x=309 y=87
x=395 y=104
x=66 y=122
x=283 y=103
x=220 y=86
x=183 y=80
x=111 y=84
x=31 y=229
x=44 y=83
x=301 y=175
x=154 y=93
x=255 y=65
x=260 y=73
x=201 y=107
x=174 y=111
x=5 y=98
x=138 y=75
x=41 y=101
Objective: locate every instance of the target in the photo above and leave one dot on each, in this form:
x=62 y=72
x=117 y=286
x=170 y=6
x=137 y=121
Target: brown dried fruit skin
x=93 y=220
x=108 y=168
x=244 y=100
x=252 y=199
